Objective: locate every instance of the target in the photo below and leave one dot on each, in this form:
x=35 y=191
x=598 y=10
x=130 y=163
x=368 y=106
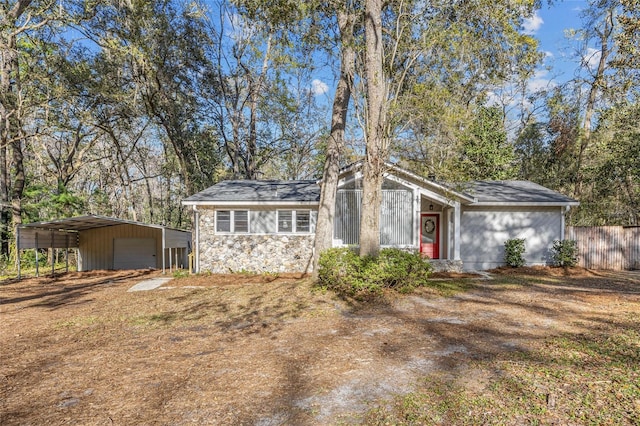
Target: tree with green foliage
x=30 y=47
x=264 y=111
x=420 y=49
x=485 y=152
x=161 y=49
x=470 y=51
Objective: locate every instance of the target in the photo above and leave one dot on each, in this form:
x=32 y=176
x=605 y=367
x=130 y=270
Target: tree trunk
x=18 y=181
x=5 y=216
x=10 y=125
x=335 y=143
x=376 y=146
x=597 y=84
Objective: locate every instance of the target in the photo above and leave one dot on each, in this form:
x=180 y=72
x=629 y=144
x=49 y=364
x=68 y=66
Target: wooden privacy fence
x=607 y=247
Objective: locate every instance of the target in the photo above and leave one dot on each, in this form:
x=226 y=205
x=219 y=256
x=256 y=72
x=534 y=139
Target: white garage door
x=134 y=253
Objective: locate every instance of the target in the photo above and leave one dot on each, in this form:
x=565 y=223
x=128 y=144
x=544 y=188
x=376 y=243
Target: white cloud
x=319 y=87
x=532 y=24
x=592 y=58
x=540 y=82
x=493 y=99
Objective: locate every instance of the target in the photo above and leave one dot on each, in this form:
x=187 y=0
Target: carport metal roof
x=64 y=233
x=81 y=223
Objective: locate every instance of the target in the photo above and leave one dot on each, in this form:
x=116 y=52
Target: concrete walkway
x=150 y=284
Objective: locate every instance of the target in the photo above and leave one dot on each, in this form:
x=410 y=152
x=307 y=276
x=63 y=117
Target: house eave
x=249 y=203
x=524 y=204
x=443 y=188
x=424 y=184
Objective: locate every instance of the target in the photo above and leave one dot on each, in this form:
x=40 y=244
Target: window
x=303 y=221
x=265 y=221
x=223 y=221
x=241 y=221
x=226 y=218
x=285 y=223
x=294 y=221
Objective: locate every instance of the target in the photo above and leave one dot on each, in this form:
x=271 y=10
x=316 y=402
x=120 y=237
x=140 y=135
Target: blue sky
x=548 y=25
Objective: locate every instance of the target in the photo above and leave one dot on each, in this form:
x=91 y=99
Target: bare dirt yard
x=525 y=347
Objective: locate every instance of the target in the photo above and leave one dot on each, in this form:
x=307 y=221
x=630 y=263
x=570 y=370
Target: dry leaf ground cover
x=531 y=346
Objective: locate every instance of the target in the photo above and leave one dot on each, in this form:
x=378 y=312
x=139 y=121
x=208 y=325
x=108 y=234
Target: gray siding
x=485 y=230
x=396 y=217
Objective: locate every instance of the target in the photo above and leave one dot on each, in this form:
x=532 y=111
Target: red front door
x=430 y=235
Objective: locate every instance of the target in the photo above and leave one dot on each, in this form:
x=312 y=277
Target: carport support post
x=18 y=242
x=66 y=252
x=53 y=256
x=37 y=263
x=164 y=242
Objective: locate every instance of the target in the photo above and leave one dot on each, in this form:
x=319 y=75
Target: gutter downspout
x=563 y=213
x=456 y=229
x=196 y=244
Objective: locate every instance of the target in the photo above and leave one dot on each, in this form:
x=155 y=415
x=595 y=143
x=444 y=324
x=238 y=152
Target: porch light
x=430 y=206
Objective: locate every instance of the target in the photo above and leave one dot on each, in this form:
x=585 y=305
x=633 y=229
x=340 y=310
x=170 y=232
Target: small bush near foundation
x=346 y=273
x=514 y=252
x=565 y=253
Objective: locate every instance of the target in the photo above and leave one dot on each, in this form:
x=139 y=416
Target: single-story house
x=110 y=243
x=268 y=225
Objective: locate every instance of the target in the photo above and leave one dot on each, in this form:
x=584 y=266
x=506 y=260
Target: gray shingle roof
x=484 y=192
x=514 y=191
x=259 y=190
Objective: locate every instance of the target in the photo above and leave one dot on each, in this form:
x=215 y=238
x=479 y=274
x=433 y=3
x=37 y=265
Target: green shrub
x=403 y=270
x=346 y=273
x=565 y=253
x=28 y=258
x=180 y=273
x=514 y=252
x=339 y=270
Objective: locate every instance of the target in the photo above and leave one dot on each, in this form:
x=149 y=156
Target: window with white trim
x=303 y=221
x=235 y=221
x=285 y=221
x=295 y=221
x=241 y=221
x=223 y=221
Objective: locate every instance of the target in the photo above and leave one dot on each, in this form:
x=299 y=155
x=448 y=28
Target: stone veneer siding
x=446 y=265
x=225 y=253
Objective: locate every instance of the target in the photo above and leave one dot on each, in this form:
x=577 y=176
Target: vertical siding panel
x=396 y=217
x=97 y=244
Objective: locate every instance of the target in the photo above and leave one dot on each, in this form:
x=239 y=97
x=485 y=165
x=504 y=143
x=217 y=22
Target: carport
x=109 y=243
